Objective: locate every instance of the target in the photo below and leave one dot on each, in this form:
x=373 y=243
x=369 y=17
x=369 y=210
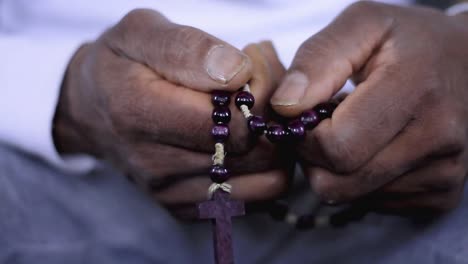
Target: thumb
x=325 y=61
x=180 y=54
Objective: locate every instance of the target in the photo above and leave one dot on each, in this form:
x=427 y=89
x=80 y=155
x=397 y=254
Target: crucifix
x=220 y=209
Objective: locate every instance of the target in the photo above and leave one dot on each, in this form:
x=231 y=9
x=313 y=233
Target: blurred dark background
x=437 y=3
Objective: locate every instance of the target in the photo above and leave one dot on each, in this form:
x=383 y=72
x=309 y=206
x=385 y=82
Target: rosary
x=219 y=207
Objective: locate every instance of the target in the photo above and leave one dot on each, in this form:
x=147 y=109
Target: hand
x=399 y=141
x=139 y=98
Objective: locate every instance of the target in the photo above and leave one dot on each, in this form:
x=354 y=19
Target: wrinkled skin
x=399 y=141
x=139 y=97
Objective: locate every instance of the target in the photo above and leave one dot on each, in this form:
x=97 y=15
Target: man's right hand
x=139 y=97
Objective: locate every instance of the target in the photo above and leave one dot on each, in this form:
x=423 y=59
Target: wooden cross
x=220 y=209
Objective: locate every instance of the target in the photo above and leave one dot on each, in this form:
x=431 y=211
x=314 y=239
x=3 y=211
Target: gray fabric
x=50 y=217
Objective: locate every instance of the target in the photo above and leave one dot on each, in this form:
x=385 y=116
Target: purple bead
x=257 y=125
x=310 y=119
x=219 y=174
x=245 y=98
x=220 y=133
x=296 y=129
x=276 y=133
x=220 y=98
x=221 y=115
x=325 y=110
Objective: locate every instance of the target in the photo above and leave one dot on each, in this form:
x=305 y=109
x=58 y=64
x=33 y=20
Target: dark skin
x=397 y=143
x=139 y=97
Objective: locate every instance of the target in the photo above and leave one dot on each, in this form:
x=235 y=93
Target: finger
x=263 y=81
x=418 y=204
x=364 y=123
x=148 y=168
x=418 y=145
x=276 y=67
x=158 y=165
x=251 y=187
x=145 y=107
x=181 y=54
x=326 y=60
x=372 y=115
x=441 y=175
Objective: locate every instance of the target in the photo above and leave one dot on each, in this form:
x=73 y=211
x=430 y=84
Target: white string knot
x=218 y=157
x=216 y=186
x=245 y=111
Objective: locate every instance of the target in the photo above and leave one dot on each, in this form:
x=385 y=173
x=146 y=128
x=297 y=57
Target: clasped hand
x=139 y=97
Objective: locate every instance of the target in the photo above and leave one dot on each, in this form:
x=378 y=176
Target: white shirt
x=37 y=39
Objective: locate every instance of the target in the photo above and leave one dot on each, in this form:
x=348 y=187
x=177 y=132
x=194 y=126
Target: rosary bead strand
x=295 y=130
x=219 y=207
x=221 y=117
x=256 y=124
x=276 y=133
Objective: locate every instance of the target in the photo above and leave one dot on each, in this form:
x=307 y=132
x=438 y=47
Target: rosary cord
x=220 y=155
x=245 y=111
x=244 y=108
x=216 y=186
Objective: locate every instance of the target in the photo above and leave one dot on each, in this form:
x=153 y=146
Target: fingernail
x=224 y=63
x=291 y=90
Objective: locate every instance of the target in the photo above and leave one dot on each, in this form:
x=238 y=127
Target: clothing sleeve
x=31 y=72
x=457 y=9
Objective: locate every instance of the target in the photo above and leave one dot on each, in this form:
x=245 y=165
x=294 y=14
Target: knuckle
x=138 y=17
x=120 y=113
x=137 y=24
x=133 y=15
x=189 y=34
x=119 y=117
x=341 y=154
x=326 y=191
x=363 y=7
x=448 y=135
x=322 y=48
x=181 y=38
x=430 y=90
x=320 y=45
x=133 y=114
